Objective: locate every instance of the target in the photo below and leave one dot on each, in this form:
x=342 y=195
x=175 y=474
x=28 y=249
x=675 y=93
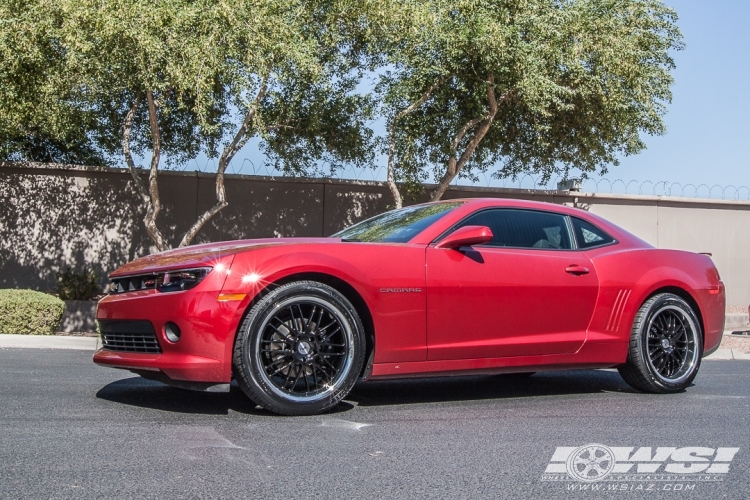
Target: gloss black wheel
x=305 y=348
x=665 y=347
x=671 y=343
x=300 y=349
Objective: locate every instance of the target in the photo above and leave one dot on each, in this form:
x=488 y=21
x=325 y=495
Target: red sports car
x=452 y=287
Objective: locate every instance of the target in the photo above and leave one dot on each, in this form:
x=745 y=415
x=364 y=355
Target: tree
x=537 y=86
x=179 y=77
x=39 y=121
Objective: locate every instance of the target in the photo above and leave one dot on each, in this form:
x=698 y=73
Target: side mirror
x=466 y=237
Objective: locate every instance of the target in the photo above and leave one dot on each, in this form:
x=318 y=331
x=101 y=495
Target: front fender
x=399 y=320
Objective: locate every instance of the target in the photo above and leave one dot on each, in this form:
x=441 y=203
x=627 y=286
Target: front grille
x=133 y=283
x=166 y=281
x=129 y=336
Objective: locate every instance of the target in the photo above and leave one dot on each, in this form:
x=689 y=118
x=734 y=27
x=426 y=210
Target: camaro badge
x=400 y=290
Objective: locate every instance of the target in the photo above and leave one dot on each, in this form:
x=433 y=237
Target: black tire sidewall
x=656 y=304
x=248 y=372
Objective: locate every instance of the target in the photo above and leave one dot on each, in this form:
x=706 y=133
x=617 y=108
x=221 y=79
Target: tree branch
x=154 y=205
x=239 y=140
x=397 y=198
x=126 y=129
x=454 y=166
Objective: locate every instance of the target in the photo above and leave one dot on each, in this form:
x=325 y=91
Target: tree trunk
x=154 y=207
x=150 y=197
x=391 y=180
x=240 y=138
x=483 y=124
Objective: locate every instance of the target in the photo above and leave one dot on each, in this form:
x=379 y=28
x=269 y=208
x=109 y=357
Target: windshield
x=397 y=226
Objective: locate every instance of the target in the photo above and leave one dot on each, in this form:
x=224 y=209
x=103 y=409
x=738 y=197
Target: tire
x=666 y=344
x=300 y=349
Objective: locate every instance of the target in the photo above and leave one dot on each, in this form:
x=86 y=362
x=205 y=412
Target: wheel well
x=347 y=291
x=684 y=295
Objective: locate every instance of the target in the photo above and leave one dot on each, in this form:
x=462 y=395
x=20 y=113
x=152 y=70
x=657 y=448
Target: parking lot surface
x=70 y=429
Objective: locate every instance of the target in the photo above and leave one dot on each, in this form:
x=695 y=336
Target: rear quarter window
x=589 y=236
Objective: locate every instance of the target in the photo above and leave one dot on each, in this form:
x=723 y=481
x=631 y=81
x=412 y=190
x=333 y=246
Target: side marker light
x=228 y=297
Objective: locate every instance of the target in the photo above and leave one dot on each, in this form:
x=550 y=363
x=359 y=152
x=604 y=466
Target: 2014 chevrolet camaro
x=453 y=287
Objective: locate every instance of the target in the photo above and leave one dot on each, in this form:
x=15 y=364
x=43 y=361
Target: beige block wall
x=721 y=229
x=54 y=216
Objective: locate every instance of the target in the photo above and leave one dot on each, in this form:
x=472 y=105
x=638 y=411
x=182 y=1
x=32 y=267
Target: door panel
x=493 y=302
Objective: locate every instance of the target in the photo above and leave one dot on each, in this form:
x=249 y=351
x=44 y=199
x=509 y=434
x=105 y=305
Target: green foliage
x=41 y=121
x=519 y=86
x=71 y=70
x=181 y=77
x=575 y=82
x=73 y=285
x=29 y=313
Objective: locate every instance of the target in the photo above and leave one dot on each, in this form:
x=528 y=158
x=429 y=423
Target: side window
x=588 y=236
x=523 y=228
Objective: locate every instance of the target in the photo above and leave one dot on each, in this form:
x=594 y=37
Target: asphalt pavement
x=70 y=429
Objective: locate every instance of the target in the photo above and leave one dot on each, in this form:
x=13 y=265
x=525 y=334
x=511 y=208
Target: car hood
x=204 y=255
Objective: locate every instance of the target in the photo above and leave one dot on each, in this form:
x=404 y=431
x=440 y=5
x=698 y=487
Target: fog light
x=172 y=331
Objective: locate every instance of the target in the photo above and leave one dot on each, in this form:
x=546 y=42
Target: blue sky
x=708 y=122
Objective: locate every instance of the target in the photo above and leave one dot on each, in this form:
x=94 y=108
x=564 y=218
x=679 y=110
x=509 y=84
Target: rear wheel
x=665 y=346
x=300 y=349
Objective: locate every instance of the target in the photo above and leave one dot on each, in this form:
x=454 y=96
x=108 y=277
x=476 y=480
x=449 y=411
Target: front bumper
x=204 y=351
x=176 y=366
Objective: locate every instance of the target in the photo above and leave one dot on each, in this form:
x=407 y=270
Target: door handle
x=577 y=270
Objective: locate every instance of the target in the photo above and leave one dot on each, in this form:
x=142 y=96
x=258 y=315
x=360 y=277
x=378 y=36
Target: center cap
x=304 y=348
x=665 y=343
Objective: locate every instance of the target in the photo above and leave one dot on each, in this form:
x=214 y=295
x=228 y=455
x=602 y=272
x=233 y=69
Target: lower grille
x=129 y=336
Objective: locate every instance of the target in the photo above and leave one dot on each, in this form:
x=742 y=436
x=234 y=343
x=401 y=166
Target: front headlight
x=169 y=281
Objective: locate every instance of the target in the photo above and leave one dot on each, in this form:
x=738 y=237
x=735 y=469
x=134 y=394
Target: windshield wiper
x=347 y=240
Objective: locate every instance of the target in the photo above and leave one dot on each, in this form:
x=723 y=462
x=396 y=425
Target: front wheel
x=665 y=346
x=300 y=349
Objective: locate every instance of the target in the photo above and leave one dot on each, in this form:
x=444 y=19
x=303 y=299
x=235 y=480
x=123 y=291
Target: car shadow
x=481 y=387
x=143 y=393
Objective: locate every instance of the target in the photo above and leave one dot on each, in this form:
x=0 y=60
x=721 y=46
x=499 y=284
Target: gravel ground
x=77 y=334
x=737 y=342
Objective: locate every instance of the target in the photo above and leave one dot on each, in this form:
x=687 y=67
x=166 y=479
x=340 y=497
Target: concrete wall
x=56 y=216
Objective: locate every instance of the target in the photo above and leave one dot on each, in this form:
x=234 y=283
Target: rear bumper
x=712 y=304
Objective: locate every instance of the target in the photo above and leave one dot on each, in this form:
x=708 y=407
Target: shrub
x=29 y=312
x=72 y=285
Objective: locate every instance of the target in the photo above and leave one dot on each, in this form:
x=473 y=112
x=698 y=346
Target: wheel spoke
x=310 y=321
x=294 y=320
x=329 y=364
x=329 y=325
x=300 y=369
x=282 y=368
x=302 y=326
x=288 y=375
x=285 y=335
x=328 y=336
x=320 y=318
x=307 y=382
